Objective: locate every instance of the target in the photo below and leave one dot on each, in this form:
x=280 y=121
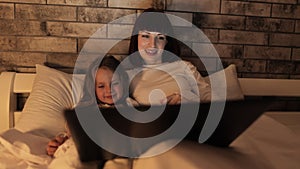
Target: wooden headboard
x=12 y=83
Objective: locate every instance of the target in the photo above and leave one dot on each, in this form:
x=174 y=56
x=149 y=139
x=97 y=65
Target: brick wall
x=262 y=37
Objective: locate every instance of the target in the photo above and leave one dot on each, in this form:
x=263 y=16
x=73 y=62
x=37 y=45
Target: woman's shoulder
x=184 y=64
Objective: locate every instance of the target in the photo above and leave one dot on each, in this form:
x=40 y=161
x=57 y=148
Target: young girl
x=101 y=86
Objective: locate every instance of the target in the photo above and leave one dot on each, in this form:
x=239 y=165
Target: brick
x=103 y=46
x=229 y=51
x=71 y=29
x=86 y=14
x=262 y=52
x=245 y=8
x=22 y=58
x=13 y=68
x=277 y=1
x=130 y=4
x=279 y=76
x=194 y=5
x=185 y=49
x=180 y=18
x=280 y=67
x=119 y=31
x=297 y=26
x=45 y=12
x=219 y=21
x=269 y=24
x=94 y=3
x=3 y=68
x=159 y=4
x=22 y=27
x=254 y=66
x=211 y=34
x=294 y=76
x=219 y=50
x=8 y=43
x=61 y=60
x=121 y=47
x=27 y=1
x=255 y=75
x=46 y=44
x=204 y=50
x=286 y=11
x=84 y=59
x=190 y=34
x=285 y=40
x=6 y=11
x=297 y=68
x=243 y=37
x=296 y=54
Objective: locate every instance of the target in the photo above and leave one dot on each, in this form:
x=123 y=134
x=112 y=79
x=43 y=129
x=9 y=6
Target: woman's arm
x=203 y=87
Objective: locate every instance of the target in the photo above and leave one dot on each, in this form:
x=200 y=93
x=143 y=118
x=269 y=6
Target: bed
x=271 y=142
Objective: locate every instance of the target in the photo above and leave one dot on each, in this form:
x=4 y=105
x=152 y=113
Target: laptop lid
x=235 y=118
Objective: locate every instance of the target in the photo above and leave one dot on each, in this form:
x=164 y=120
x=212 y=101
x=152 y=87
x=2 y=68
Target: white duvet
x=265 y=145
x=22 y=151
x=26 y=151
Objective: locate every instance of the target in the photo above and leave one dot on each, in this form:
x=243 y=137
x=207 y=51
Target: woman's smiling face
x=151 y=46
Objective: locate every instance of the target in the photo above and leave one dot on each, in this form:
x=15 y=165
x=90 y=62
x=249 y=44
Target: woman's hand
x=53 y=145
x=175 y=98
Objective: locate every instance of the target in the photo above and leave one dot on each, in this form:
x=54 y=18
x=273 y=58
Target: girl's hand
x=53 y=145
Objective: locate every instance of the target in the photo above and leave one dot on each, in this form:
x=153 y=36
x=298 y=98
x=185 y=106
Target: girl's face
x=108 y=87
x=151 y=46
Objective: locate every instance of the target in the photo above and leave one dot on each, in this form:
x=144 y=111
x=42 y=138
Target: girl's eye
x=162 y=38
x=115 y=83
x=145 y=36
x=100 y=86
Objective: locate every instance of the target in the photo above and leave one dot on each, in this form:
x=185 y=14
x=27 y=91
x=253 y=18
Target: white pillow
x=51 y=94
x=233 y=91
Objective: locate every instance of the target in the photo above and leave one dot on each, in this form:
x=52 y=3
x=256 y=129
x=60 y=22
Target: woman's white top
x=151 y=83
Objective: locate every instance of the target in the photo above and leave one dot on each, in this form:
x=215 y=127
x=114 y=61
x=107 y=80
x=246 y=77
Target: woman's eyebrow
x=149 y=32
x=145 y=32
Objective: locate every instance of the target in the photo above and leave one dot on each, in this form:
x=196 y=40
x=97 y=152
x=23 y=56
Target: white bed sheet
x=22 y=151
x=27 y=151
x=267 y=144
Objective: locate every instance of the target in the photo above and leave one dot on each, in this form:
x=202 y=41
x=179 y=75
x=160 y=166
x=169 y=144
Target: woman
x=159 y=75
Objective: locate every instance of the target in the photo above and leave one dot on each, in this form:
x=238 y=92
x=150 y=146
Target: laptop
x=217 y=127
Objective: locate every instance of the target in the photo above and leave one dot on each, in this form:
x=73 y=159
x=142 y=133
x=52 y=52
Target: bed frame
x=12 y=84
x=16 y=83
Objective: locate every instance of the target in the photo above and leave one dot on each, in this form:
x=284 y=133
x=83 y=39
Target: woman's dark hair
x=157 y=21
x=111 y=63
